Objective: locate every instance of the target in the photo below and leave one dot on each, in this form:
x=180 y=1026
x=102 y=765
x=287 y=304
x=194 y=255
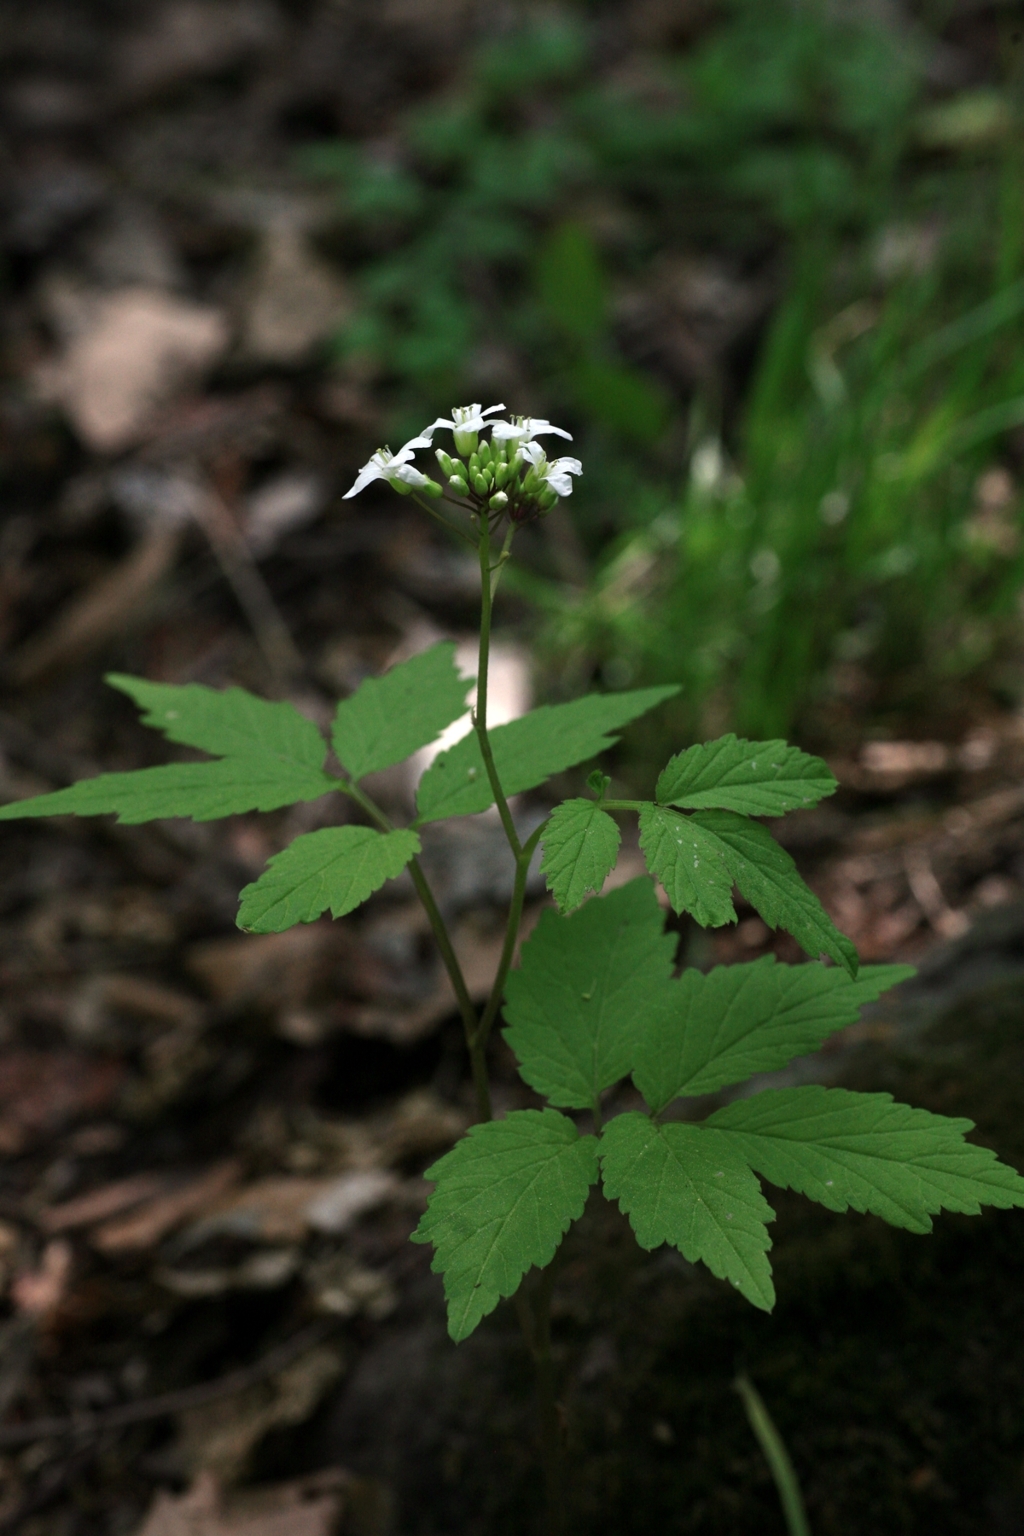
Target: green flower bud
x=498 y=501
x=432 y=489
x=474 y=464
x=502 y=474
x=480 y=484
x=458 y=485
x=484 y=452
x=447 y=467
x=547 y=499
x=458 y=468
x=465 y=442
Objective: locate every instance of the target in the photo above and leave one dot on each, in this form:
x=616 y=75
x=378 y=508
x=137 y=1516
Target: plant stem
x=480 y=712
x=776 y=1455
x=467 y=1012
x=451 y=527
x=515 y=915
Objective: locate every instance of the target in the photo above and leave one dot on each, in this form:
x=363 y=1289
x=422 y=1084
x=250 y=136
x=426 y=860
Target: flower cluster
x=509 y=475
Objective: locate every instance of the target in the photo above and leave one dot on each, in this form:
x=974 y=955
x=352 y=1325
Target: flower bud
x=484 y=452
x=474 y=464
x=432 y=489
x=458 y=485
x=502 y=474
x=498 y=502
x=480 y=484
x=547 y=499
x=447 y=467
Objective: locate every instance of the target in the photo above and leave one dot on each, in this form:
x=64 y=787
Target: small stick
x=126 y=1414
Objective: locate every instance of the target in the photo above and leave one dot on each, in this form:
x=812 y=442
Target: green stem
x=515 y=913
x=470 y=1024
x=776 y=1455
x=467 y=1012
x=451 y=527
x=480 y=712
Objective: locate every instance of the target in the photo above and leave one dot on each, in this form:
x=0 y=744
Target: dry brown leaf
x=167 y=1211
x=133 y=350
x=311 y=1506
x=40 y=1091
x=39 y=1292
x=102 y=1203
x=221 y=1437
x=112 y=605
x=275 y=969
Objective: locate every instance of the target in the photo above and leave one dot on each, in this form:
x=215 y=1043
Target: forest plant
x=594 y=1000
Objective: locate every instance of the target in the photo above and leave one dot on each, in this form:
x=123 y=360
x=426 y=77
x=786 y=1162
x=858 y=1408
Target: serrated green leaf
x=529 y=750
x=581 y=844
x=740 y=1019
x=690 y=863
x=768 y=878
x=335 y=869
x=578 y=1001
x=505 y=1196
x=201 y=791
x=226 y=722
x=389 y=718
x=678 y=1185
x=271 y=756
x=757 y=778
x=863 y=1150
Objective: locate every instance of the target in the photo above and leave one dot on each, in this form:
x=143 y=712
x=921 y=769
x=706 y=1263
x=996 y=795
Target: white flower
x=465 y=421
x=523 y=429
x=395 y=468
x=555 y=475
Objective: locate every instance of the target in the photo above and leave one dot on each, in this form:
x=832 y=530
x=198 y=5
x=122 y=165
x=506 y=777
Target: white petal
x=502 y=431
x=442 y=421
x=416 y=442
x=407 y=474
x=567 y=467
x=533 y=452
x=369 y=472
x=560 y=483
x=540 y=427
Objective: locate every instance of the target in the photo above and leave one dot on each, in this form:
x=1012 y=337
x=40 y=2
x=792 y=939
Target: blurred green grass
x=827 y=527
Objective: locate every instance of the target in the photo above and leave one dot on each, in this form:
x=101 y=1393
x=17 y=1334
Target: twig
x=141 y=1412
x=244 y=577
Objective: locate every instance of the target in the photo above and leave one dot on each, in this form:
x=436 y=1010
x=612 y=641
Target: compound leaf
x=578 y=1001
x=581 y=844
x=336 y=868
x=505 y=1196
x=270 y=756
x=768 y=878
x=529 y=750
x=741 y=1019
x=390 y=717
x=681 y=1186
x=757 y=778
x=863 y=1150
x=690 y=863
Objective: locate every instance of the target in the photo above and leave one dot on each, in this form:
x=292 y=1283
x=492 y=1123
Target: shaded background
x=766 y=262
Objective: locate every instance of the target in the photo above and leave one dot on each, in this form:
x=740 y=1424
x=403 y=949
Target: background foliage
x=797 y=520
